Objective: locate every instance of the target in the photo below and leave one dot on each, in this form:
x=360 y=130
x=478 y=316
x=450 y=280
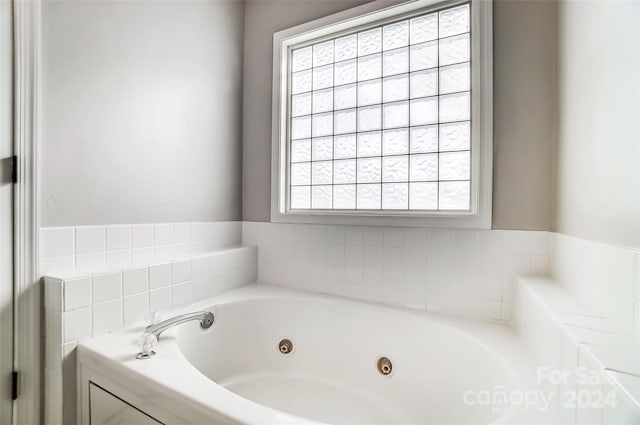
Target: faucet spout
x=205 y=317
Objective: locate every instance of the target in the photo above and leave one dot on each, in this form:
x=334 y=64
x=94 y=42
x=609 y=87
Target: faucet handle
x=146 y=343
x=154 y=318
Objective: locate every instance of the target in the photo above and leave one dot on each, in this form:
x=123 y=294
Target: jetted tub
x=344 y=362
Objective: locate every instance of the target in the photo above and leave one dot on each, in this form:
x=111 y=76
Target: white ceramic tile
x=118 y=237
x=163 y=252
x=57 y=266
x=415 y=238
x=57 y=241
x=142 y=255
x=53 y=385
x=182 y=233
x=106 y=317
x=135 y=307
x=199 y=267
x=163 y=234
x=439 y=239
x=160 y=299
x=77 y=324
x=180 y=271
x=354 y=235
x=77 y=293
x=90 y=263
x=393 y=237
x=106 y=286
x=53 y=294
x=182 y=294
x=335 y=234
x=53 y=325
x=318 y=233
x=142 y=235
x=90 y=239
x=135 y=280
x=159 y=275
x=118 y=258
x=489 y=309
x=373 y=236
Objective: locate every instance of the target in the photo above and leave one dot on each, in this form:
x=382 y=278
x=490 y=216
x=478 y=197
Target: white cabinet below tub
x=107 y=409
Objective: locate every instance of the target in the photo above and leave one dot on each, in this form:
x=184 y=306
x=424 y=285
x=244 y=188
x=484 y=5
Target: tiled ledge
x=79 y=306
x=566 y=334
x=93 y=249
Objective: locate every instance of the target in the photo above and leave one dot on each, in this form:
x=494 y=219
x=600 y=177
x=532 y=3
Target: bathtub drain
x=385 y=367
x=285 y=346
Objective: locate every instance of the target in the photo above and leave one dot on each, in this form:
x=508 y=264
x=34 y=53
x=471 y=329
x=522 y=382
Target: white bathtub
x=234 y=372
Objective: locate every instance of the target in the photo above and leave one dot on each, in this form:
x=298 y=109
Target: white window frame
x=479 y=215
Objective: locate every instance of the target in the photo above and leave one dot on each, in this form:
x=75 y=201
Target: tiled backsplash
x=604 y=276
x=462 y=272
x=88 y=249
x=100 y=278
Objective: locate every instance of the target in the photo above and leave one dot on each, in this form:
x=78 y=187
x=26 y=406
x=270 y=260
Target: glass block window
x=380 y=119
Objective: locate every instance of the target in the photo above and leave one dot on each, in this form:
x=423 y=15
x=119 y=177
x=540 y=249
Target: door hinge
x=14 y=385
x=14 y=169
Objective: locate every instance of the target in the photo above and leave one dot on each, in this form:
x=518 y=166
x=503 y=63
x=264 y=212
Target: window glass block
x=395 y=35
x=395 y=168
x=369 y=92
x=301 y=127
x=369 y=197
x=395 y=196
x=323 y=53
x=424 y=28
x=301 y=82
x=369 y=144
x=344 y=97
x=346 y=47
x=301 y=150
x=321 y=197
x=369 y=118
x=369 y=41
x=301 y=59
x=345 y=121
x=395 y=88
x=424 y=56
x=322 y=77
x=300 y=197
x=381 y=118
x=424 y=139
x=301 y=174
x=344 y=146
x=424 y=167
x=395 y=142
x=455 y=165
x=322 y=100
x=370 y=67
x=395 y=62
x=322 y=148
x=345 y=72
x=423 y=196
x=454 y=21
x=344 y=171
x=454 y=78
x=454 y=107
x=453 y=196
x=454 y=49
x=424 y=111
x=300 y=104
x=369 y=170
x=424 y=83
x=344 y=197
x=396 y=114
x=455 y=136
x=322 y=172
x=322 y=124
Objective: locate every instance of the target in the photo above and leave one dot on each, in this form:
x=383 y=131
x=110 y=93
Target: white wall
x=524 y=96
x=598 y=158
x=141 y=111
